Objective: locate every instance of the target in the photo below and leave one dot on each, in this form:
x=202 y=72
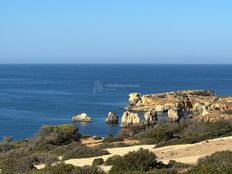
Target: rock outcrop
x=199 y=102
x=83 y=117
x=150 y=117
x=111 y=118
x=129 y=118
x=173 y=115
x=134 y=98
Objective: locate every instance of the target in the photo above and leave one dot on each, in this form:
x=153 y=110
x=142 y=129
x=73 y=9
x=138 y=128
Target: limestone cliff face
x=202 y=102
x=150 y=117
x=129 y=118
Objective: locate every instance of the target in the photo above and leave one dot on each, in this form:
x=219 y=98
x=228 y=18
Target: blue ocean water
x=35 y=95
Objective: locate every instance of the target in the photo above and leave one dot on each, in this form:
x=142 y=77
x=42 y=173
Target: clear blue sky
x=116 y=31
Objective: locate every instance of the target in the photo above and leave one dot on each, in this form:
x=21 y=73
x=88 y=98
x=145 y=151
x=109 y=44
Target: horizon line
x=115 y=63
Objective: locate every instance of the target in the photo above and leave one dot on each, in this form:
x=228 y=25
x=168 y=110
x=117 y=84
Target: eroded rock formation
x=202 y=103
x=129 y=118
x=83 y=117
x=150 y=117
x=111 y=118
x=174 y=115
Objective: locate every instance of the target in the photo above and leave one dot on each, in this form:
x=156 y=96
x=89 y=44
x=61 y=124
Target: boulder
x=111 y=118
x=150 y=117
x=129 y=118
x=173 y=115
x=83 y=117
x=134 y=97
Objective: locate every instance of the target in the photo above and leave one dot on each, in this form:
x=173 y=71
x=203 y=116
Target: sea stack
x=111 y=118
x=130 y=118
x=83 y=117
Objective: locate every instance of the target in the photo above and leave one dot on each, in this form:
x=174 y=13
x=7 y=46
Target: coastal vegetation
x=62 y=168
x=54 y=144
x=186 y=132
x=219 y=162
x=229 y=112
x=97 y=162
x=111 y=139
x=46 y=147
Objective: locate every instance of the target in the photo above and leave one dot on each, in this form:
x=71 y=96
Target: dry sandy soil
x=186 y=153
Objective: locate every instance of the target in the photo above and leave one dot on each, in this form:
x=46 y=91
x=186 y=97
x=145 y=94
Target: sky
x=116 y=31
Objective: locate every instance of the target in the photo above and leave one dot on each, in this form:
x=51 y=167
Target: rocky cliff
x=203 y=103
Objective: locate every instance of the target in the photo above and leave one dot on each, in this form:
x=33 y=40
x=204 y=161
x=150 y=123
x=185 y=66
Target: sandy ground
x=190 y=153
x=186 y=153
x=90 y=142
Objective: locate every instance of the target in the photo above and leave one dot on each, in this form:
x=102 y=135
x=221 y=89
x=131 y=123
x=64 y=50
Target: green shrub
x=97 y=161
x=132 y=130
x=23 y=160
x=58 y=135
x=227 y=112
x=140 y=161
x=199 y=131
x=88 y=170
x=16 y=161
x=62 y=168
x=112 y=145
x=185 y=132
x=110 y=161
x=217 y=163
x=161 y=132
x=6 y=146
x=44 y=158
x=76 y=150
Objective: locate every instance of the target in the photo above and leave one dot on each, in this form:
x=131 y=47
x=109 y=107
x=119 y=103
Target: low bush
x=76 y=150
x=132 y=130
x=140 y=161
x=161 y=132
x=50 y=143
x=112 y=145
x=16 y=161
x=58 y=135
x=23 y=160
x=110 y=161
x=111 y=139
x=62 y=168
x=6 y=146
x=185 y=132
x=97 y=161
x=217 y=163
x=227 y=112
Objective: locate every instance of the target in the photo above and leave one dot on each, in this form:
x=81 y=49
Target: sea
x=35 y=95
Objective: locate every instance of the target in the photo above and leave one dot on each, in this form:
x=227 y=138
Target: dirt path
x=186 y=153
x=190 y=153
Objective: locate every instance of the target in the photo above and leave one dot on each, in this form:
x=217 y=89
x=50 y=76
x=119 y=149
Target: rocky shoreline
x=203 y=104
x=199 y=104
